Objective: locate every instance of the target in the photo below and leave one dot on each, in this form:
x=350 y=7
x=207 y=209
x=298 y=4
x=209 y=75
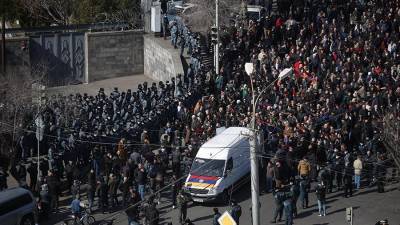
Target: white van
x=222 y=165
x=17 y=207
x=255 y=12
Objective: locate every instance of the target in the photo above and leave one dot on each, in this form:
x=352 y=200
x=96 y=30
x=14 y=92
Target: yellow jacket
x=304 y=167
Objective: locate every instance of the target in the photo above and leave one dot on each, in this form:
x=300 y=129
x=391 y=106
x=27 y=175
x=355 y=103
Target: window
x=208 y=167
x=229 y=164
x=15 y=203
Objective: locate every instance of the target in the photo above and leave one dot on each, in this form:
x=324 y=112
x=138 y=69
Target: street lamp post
x=255 y=192
x=216 y=46
x=39 y=126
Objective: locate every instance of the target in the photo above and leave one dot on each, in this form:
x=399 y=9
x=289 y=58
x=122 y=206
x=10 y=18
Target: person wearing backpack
x=320 y=190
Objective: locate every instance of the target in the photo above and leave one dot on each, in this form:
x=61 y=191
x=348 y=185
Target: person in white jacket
x=358 y=165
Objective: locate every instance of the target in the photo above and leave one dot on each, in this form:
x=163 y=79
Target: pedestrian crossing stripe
x=226 y=219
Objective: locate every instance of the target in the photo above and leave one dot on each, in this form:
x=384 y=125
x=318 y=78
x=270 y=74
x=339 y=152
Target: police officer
x=174 y=34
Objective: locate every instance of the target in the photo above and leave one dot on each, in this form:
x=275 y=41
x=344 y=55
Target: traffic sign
x=39 y=128
x=349 y=215
x=226 y=219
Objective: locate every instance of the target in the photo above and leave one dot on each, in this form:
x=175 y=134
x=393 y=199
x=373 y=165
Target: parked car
x=17 y=207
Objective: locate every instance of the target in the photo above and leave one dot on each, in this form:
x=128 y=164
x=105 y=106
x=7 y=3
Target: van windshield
x=208 y=167
x=252 y=15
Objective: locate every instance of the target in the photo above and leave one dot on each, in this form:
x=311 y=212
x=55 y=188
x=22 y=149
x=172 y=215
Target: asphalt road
x=369 y=207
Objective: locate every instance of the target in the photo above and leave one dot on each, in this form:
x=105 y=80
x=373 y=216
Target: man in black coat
x=91 y=188
x=69 y=172
x=348 y=181
x=32 y=170
x=53 y=184
x=103 y=194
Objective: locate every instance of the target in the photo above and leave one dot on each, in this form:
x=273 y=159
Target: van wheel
x=27 y=220
x=225 y=197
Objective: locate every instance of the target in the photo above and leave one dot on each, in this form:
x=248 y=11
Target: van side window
x=15 y=203
x=229 y=164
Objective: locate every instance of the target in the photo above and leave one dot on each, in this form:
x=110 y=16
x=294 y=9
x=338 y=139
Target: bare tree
x=131 y=16
x=203 y=16
x=51 y=11
x=17 y=107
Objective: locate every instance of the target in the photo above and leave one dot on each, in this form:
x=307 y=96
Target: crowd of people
x=322 y=124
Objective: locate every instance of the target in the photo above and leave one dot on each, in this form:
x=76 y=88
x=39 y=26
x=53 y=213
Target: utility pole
x=255 y=192
x=3 y=42
x=216 y=46
x=39 y=126
x=38 y=138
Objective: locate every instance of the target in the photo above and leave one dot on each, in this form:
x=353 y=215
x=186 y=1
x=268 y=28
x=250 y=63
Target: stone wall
x=161 y=60
x=113 y=54
x=17 y=56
